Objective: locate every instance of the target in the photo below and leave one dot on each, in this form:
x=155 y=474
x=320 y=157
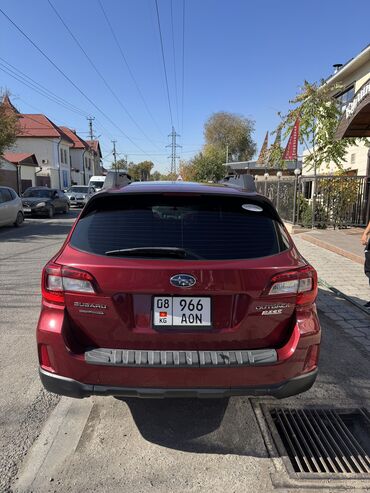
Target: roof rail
x=246 y=182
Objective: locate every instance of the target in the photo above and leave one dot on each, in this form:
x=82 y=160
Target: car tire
x=19 y=220
x=50 y=213
x=66 y=210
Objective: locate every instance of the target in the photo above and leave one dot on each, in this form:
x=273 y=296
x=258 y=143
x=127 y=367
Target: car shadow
x=213 y=426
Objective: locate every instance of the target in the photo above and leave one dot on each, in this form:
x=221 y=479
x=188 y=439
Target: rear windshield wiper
x=153 y=252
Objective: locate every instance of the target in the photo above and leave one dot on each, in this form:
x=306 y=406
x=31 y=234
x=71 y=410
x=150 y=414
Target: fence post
x=297 y=172
x=314 y=184
x=266 y=175
x=279 y=174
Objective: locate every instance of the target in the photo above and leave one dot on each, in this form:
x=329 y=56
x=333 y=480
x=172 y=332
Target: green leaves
x=234 y=131
x=8 y=128
x=208 y=165
x=319 y=114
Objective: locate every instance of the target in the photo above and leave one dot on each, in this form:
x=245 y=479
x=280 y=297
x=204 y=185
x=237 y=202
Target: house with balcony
x=354 y=100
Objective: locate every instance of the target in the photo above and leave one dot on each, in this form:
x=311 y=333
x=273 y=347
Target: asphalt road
x=111 y=445
x=23 y=404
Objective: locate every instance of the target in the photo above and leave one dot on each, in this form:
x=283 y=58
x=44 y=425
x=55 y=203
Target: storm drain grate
x=325 y=441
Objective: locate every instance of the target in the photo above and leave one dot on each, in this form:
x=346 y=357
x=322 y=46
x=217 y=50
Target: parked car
x=77 y=194
x=97 y=182
x=11 y=210
x=178 y=290
x=44 y=201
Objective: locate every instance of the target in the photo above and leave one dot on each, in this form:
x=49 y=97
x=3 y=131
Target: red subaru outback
x=177 y=290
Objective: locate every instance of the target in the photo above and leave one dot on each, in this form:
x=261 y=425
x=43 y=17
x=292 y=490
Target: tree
x=9 y=126
x=186 y=170
x=230 y=131
x=319 y=114
x=208 y=165
x=156 y=176
x=121 y=164
x=138 y=172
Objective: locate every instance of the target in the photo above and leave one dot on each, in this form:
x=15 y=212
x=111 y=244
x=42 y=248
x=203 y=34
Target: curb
x=332 y=248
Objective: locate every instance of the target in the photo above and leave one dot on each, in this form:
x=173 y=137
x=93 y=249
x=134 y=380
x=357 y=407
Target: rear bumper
x=72 y=388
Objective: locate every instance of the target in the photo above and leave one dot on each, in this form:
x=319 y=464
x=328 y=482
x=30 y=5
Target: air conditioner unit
x=45 y=161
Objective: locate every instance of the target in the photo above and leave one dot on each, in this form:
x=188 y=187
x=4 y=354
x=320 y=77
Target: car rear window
x=207 y=227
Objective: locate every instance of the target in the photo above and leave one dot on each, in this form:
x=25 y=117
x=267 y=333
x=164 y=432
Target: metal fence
x=321 y=201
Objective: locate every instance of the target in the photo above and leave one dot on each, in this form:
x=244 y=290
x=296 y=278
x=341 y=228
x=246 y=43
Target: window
x=77 y=189
x=65 y=178
x=5 y=195
x=207 y=228
x=353 y=158
x=61 y=156
x=65 y=156
x=345 y=97
x=38 y=192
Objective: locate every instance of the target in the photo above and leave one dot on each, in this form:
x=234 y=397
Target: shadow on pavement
x=35 y=228
x=216 y=426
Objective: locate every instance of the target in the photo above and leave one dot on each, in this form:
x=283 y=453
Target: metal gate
x=321 y=201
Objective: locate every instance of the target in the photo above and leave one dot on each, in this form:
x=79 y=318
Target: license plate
x=181 y=311
x=26 y=209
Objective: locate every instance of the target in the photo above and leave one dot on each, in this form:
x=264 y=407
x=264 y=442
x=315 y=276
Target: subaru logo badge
x=183 y=281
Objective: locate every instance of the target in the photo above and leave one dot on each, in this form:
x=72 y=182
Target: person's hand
x=364 y=239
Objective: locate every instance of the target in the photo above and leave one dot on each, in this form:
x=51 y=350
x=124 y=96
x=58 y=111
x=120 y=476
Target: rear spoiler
x=246 y=182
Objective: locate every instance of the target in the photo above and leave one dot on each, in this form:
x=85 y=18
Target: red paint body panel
x=125 y=288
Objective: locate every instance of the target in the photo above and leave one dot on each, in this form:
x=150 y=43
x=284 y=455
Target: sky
x=242 y=56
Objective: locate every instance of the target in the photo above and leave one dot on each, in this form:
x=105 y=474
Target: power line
x=107 y=85
x=128 y=67
x=35 y=86
x=70 y=80
x=174 y=64
x=164 y=62
x=26 y=80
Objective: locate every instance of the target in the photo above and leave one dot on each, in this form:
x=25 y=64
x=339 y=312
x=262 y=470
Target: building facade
x=354 y=77
x=64 y=158
x=18 y=170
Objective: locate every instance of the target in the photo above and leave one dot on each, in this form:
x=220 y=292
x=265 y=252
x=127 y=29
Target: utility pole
x=90 y=119
x=174 y=145
x=114 y=152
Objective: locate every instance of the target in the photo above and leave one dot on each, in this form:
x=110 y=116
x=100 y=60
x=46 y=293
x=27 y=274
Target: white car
x=11 y=209
x=96 y=182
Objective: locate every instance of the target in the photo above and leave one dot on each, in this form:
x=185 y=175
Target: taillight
x=57 y=279
x=302 y=282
